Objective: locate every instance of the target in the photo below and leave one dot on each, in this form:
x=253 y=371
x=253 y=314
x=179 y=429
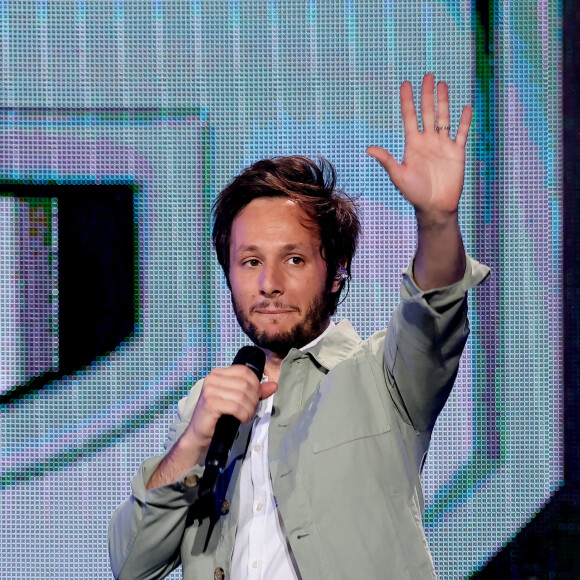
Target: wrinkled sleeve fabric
x=145 y=531
x=423 y=345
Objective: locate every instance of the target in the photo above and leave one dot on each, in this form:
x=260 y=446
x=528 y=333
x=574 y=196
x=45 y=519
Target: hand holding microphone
x=232 y=390
x=227 y=425
x=235 y=391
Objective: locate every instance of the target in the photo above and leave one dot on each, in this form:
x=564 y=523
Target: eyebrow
x=284 y=248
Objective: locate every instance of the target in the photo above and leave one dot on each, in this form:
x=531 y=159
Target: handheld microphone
x=227 y=425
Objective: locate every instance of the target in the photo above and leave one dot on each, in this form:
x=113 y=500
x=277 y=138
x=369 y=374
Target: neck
x=272 y=368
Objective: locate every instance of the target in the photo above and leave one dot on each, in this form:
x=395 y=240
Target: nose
x=271 y=281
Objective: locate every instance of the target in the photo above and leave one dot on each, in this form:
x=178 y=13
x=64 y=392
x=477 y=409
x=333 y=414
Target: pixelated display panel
x=168 y=101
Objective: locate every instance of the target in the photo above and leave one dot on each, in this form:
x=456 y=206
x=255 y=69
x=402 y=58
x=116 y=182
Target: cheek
x=307 y=282
x=236 y=289
x=242 y=289
x=310 y=287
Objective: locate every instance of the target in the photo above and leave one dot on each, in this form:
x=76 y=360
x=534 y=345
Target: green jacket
x=348 y=437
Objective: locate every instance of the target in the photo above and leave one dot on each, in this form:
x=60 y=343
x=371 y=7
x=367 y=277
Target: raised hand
x=431 y=174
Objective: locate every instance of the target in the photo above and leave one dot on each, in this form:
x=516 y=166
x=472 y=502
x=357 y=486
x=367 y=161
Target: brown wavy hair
x=312 y=186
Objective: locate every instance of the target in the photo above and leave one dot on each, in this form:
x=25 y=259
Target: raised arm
x=430 y=177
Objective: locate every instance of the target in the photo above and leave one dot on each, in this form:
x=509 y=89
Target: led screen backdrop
x=119 y=123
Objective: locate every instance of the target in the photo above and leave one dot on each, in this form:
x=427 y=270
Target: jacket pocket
x=347 y=407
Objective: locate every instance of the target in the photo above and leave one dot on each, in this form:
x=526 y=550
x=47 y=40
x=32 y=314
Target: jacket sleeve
x=145 y=531
x=423 y=345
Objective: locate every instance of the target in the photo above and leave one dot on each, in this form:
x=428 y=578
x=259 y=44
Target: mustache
x=265 y=304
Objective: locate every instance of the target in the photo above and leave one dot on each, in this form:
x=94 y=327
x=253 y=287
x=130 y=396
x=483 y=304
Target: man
x=323 y=478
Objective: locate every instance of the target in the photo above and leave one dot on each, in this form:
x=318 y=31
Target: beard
x=302 y=333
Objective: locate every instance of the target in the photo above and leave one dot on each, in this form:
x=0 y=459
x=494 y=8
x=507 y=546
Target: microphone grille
x=253 y=357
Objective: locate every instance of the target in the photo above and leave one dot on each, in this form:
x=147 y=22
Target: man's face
x=277 y=275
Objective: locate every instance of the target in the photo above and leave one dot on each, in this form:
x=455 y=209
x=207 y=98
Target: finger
x=464 y=124
x=408 y=109
x=241 y=410
x=428 y=103
x=241 y=370
x=234 y=383
x=236 y=373
x=268 y=388
x=222 y=400
x=390 y=164
x=443 y=119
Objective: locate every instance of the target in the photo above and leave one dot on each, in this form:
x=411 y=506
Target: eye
x=295 y=260
x=251 y=263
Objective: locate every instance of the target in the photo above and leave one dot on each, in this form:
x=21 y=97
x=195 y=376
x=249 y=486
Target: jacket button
x=219 y=574
x=225 y=507
x=191 y=480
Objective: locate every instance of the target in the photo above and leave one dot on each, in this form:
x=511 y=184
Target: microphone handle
x=226 y=430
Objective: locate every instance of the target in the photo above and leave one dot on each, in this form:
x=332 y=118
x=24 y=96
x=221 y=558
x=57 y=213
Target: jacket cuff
x=181 y=493
x=437 y=300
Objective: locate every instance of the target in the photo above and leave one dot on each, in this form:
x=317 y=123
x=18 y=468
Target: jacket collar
x=335 y=346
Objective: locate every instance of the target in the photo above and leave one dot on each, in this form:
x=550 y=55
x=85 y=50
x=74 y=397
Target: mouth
x=273 y=309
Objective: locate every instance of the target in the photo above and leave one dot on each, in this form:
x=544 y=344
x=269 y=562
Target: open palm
x=431 y=174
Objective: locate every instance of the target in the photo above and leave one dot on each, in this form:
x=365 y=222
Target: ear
x=340 y=277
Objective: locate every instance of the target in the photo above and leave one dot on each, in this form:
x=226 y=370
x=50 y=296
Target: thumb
x=389 y=163
x=268 y=388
